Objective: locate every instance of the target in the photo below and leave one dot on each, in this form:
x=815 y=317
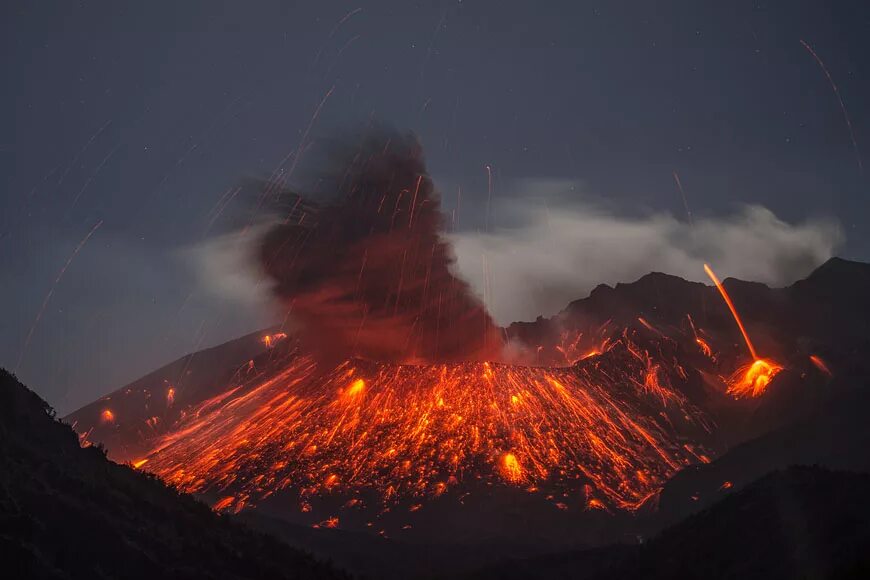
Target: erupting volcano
x=395 y=393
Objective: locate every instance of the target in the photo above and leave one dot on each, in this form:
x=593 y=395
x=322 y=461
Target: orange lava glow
x=107 y=416
x=511 y=469
x=414 y=432
x=751 y=380
x=705 y=348
x=270 y=339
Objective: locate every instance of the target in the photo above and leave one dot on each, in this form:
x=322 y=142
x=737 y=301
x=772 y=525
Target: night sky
x=137 y=117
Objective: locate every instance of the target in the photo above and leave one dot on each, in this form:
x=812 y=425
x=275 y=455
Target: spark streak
x=842 y=104
x=683 y=195
x=51 y=292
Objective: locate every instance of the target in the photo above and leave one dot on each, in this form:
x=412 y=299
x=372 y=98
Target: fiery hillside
x=611 y=429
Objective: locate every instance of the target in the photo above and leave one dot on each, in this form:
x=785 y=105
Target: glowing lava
x=750 y=380
x=511 y=469
x=612 y=423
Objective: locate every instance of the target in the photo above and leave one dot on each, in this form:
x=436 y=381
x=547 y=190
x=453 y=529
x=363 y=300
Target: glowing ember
x=705 y=348
x=140 y=463
x=327 y=523
x=752 y=379
x=511 y=469
x=271 y=339
x=820 y=364
x=107 y=416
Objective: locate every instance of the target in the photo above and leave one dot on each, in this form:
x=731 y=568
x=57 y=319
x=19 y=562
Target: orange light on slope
x=107 y=416
x=356 y=388
x=751 y=380
x=511 y=469
x=408 y=431
x=705 y=348
x=140 y=463
x=270 y=339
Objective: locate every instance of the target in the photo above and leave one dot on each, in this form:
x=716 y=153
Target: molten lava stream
x=415 y=431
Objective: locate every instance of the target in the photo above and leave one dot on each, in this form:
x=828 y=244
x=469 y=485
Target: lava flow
x=608 y=428
x=752 y=379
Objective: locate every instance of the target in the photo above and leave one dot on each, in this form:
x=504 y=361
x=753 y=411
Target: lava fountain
x=752 y=379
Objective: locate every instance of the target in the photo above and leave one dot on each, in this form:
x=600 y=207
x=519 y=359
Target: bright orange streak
x=820 y=364
x=140 y=463
x=730 y=304
x=705 y=348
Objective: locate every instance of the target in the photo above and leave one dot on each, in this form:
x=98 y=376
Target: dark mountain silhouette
x=837 y=436
x=801 y=522
x=67 y=512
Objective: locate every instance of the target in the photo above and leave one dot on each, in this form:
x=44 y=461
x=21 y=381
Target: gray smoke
x=557 y=252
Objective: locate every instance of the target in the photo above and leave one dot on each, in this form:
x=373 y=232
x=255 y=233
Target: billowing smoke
x=557 y=252
x=362 y=266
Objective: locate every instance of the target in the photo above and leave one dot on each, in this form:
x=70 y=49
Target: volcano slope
x=68 y=512
x=610 y=399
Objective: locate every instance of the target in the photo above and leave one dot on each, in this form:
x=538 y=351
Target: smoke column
x=367 y=273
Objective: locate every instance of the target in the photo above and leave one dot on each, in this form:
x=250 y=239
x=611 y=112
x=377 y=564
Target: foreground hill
x=836 y=437
x=802 y=522
x=68 y=512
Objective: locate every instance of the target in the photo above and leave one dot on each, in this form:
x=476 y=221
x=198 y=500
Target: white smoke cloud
x=227 y=268
x=553 y=254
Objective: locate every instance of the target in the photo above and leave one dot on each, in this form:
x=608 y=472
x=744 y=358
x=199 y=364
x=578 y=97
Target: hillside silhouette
x=68 y=512
x=801 y=522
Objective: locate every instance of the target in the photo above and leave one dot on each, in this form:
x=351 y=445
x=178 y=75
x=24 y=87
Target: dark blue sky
x=143 y=114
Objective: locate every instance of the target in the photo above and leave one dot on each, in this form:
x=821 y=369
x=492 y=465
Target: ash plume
x=366 y=271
